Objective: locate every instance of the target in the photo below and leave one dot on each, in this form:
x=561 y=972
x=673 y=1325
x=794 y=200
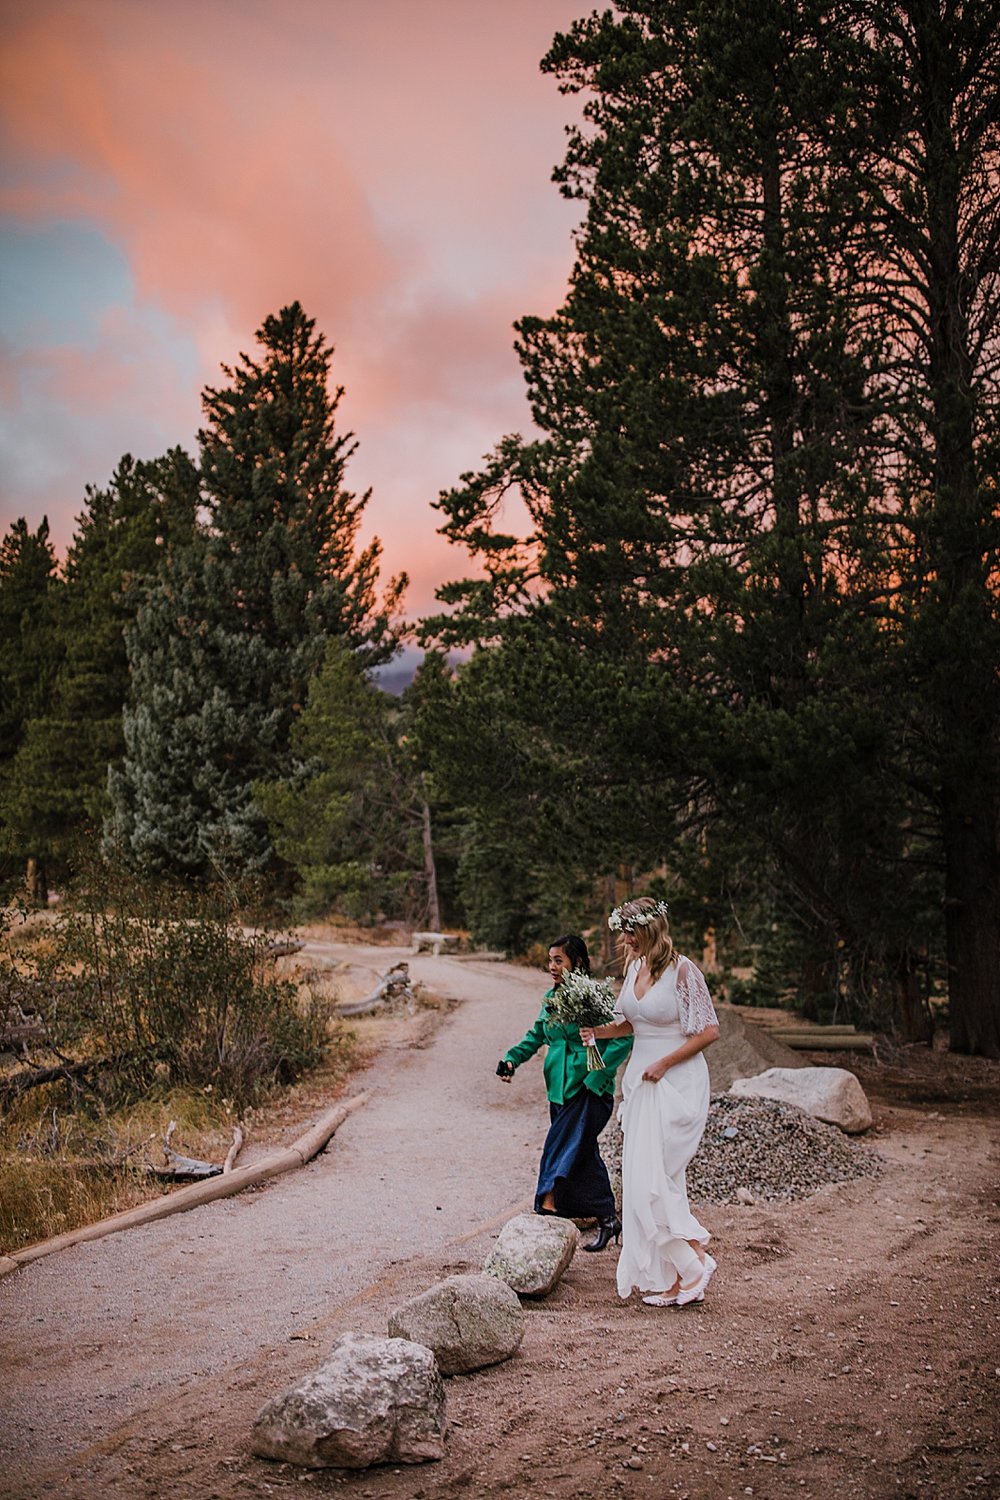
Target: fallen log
x=392 y=986
x=815 y=1028
x=435 y=941
x=193 y=1196
x=18 y=1032
x=192 y=1168
x=13 y=1088
x=233 y=1152
x=285 y=949
x=822 y=1041
x=183 y=1168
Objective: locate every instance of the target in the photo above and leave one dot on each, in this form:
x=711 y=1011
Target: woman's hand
x=587 y=1035
x=505 y=1070
x=656 y=1070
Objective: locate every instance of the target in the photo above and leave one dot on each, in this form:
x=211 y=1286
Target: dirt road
x=848 y=1348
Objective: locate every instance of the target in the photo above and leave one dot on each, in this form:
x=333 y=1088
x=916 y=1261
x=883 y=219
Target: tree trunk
x=430 y=872
x=972 y=924
x=36 y=883
x=968 y=700
x=608 y=943
x=914 y=1015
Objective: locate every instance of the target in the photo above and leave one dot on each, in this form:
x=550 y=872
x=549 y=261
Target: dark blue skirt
x=571 y=1168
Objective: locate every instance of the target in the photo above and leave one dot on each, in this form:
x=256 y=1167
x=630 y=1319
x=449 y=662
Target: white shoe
x=667 y=1299
x=696 y=1293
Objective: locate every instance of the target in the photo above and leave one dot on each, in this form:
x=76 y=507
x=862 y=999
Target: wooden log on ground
x=20 y=1083
x=392 y=986
x=779 y=1028
x=18 y=1032
x=184 y=1168
x=794 y=1026
x=819 y=1041
x=233 y=1152
x=806 y=1028
x=306 y=1147
x=435 y=941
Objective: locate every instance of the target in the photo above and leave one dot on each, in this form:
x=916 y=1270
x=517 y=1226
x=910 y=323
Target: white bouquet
x=581 y=1000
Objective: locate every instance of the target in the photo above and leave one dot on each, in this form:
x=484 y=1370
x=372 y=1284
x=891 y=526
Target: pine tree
x=927 y=148
x=699 y=494
x=58 y=782
x=351 y=823
x=224 y=646
x=29 y=661
x=724 y=530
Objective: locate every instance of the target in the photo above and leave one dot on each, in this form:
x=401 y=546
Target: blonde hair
x=651 y=932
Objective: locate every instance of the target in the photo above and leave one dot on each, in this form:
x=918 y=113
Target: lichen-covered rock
x=532 y=1252
x=373 y=1401
x=468 y=1322
x=830 y=1094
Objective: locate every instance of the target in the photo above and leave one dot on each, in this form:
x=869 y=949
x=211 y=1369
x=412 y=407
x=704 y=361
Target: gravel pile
x=766 y=1149
x=771 y=1150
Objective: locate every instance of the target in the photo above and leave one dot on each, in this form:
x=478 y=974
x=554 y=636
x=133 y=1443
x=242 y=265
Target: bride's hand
x=655 y=1071
x=587 y=1035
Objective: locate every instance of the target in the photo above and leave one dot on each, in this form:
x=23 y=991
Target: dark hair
x=575 y=950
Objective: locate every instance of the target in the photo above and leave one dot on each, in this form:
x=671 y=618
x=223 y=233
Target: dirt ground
x=848 y=1346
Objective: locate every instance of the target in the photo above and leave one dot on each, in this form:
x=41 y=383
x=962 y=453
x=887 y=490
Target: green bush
x=161 y=983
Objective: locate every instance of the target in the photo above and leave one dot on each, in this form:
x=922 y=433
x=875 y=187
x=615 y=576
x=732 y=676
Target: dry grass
x=339 y=930
x=61 y=1166
x=68 y=1159
x=65 y=1163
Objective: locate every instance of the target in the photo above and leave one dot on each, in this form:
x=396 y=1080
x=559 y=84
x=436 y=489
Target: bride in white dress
x=665 y=1004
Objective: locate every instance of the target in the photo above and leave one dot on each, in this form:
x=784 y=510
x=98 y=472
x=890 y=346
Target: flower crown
x=620 y=921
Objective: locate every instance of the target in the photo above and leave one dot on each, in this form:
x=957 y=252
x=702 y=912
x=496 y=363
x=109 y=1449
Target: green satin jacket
x=565 y=1065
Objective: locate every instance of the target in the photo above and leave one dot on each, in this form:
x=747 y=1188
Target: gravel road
x=94 y=1337
x=848 y=1347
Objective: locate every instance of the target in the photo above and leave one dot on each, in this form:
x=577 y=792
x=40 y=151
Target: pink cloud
x=209 y=205
x=385 y=163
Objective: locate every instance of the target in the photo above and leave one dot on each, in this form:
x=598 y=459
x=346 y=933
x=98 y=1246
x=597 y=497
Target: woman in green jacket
x=572 y=1178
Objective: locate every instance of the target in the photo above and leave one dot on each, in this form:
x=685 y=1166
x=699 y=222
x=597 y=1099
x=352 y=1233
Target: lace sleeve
x=619 y=1014
x=693 y=999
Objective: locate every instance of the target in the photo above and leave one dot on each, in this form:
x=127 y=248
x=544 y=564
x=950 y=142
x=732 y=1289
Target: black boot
x=607 y=1229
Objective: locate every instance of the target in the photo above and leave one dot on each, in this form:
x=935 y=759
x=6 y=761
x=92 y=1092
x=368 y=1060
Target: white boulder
x=532 y=1252
x=831 y=1094
x=467 y=1321
x=373 y=1401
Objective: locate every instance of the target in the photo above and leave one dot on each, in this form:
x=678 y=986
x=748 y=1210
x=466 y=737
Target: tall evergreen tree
x=223 y=648
x=28 y=664
x=928 y=160
x=58 y=782
x=715 y=561
x=352 y=823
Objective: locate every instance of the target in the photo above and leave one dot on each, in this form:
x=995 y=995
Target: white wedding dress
x=662 y=1125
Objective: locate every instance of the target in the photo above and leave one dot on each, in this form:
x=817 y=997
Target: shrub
x=160 y=983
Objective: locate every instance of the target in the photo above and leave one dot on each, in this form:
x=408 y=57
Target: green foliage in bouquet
x=580 y=1000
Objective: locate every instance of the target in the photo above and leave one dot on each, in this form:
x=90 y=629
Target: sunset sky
x=175 y=170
